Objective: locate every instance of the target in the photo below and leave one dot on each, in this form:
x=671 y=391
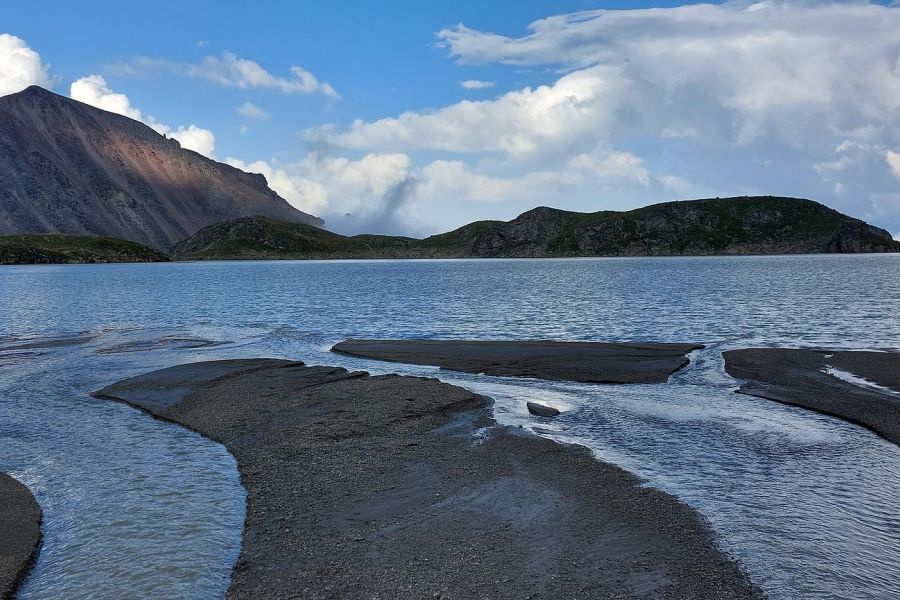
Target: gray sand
x=794 y=376
x=20 y=534
x=588 y=362
x=402 y=487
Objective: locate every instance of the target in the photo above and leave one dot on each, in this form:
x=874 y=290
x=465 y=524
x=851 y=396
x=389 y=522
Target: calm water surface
x=810 y=505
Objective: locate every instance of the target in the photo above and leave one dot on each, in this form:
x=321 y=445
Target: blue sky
x=646 y=102
x=382 y=57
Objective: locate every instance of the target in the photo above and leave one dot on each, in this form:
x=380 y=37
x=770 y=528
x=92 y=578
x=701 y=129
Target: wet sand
x=403 y=487
x=587 y=362
x=796 y=376
x=20 y=534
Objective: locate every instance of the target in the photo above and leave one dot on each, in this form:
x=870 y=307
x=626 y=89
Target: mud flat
x=405 y=487
x=862 y=387
x=587 y=362
x=20 y=534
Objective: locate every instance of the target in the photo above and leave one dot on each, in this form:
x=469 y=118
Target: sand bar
x=812 y=379
x=587 y=362
x=403 y=487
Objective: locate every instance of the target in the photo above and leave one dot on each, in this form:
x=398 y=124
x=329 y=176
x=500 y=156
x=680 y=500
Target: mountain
x=745 y=225
x=67 y=167
x=47 y=248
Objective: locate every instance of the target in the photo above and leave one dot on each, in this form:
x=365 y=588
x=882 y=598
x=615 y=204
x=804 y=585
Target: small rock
x=541 y=410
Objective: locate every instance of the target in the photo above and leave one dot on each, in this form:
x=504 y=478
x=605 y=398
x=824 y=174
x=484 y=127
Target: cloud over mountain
x=93 y=90
x=20 y=66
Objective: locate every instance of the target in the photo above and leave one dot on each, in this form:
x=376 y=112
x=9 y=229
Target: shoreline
x=440 y=258
x=20 y=544
x=360 y=485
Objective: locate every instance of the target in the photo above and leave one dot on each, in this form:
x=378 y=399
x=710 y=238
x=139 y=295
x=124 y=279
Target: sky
x=414 y=118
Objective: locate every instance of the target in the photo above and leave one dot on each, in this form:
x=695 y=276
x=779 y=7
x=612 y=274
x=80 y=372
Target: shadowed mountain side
x=67 y=167
x=748 y=225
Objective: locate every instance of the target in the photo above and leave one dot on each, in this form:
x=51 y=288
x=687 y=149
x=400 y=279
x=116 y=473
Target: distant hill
x=60 y=248
x=67 y=167
x=745 y=225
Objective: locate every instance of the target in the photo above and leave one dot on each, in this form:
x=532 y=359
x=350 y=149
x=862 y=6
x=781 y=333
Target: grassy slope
x=59 y=248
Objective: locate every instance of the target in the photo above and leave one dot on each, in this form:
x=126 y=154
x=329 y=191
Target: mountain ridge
x=68 y=167
x=713 y=226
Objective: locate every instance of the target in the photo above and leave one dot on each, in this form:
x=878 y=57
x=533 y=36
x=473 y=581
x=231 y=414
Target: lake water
x=809 y=505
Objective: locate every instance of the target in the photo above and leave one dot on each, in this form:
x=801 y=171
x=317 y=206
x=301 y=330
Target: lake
x=809 y=504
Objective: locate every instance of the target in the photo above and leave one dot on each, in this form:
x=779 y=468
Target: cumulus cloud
x=530 y=123
x=20 y=66
x=195 y=138
x=251 y=111
x=230 y=70
x=93 y=90
x=783 y=97
x=476 y=84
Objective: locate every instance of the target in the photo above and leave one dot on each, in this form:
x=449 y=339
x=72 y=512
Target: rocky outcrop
x=541 y=410
x=67 y=167
x=748 y=225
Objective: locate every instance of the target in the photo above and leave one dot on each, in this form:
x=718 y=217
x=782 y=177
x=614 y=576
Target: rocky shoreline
x=20 y=534
x=404 y=487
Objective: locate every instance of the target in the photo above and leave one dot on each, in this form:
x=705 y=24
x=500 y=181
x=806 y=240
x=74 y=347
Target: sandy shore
x=588 y=362
x=402 y=487
x=20 y=534
x=800 y=377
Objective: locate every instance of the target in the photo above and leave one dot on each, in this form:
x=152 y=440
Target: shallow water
x=809 y=504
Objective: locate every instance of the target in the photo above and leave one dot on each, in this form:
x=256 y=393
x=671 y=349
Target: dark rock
x=541 y=410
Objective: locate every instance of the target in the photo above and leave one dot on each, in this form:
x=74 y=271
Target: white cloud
x=20 y=66
x=373 y=189
x=475 y=84
x=194 y=138
x=93 y=90
x=230 y=70
x=893 y=160
x=524 y=124
x=251 y=111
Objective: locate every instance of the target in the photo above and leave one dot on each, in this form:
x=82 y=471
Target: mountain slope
x=67 y=167
x=748 y=225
